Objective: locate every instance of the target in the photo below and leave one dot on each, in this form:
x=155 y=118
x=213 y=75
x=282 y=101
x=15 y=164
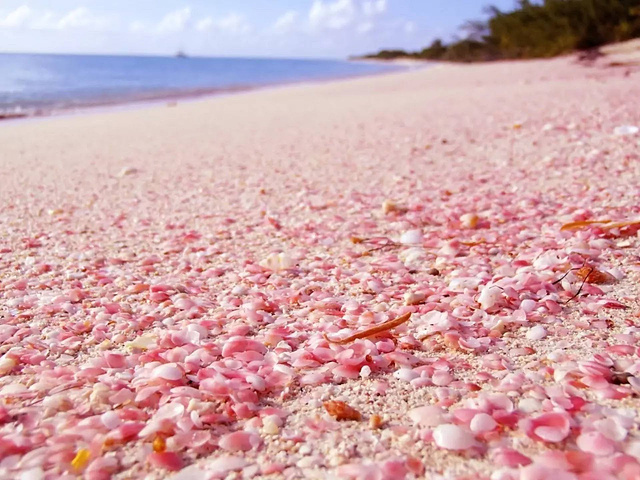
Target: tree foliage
x=537 y=29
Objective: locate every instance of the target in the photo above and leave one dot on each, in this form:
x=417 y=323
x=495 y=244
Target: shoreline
x=170 y=98
x=621 y=55
x=408 y=61
x=123 y=105
x=182 y=288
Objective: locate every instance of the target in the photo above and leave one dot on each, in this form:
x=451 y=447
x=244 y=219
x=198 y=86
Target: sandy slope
x=625 y=53
x=224 y=237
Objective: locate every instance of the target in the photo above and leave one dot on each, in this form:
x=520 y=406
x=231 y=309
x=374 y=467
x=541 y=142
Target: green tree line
x=536 y=30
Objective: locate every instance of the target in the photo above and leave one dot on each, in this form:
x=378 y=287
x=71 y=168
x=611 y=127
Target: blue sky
x=277 y=28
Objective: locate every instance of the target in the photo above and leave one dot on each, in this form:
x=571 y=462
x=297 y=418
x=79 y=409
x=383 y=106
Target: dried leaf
x=472 y=243
x=383 y=327
x=605 y=224
x=631 y=223
x=594 y=276
x=341 y=411
x=584 y=223
x=375 y=421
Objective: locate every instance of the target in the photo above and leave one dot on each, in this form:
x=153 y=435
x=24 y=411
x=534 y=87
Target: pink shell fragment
x=239 y=441
x=507 y=457
x=222 y=466
x=611 y=429
x=360 y=472
x=452 y=437
x=482 y=423
x=548 y=427
x=168 y=371
x=595 y=443
x=241 y=344
x=166 y=460
x=427 y=416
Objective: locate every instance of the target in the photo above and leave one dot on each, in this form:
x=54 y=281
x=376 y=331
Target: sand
x=622 y=54
x=168 y=274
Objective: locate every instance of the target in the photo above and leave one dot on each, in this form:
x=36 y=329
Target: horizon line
x=168 y=55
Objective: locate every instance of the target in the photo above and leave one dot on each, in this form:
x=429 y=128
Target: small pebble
x=411 y=237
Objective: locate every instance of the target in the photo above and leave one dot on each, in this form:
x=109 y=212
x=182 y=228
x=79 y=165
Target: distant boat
x=181 y=54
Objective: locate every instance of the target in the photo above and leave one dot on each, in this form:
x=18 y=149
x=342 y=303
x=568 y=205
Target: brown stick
x=383 y=327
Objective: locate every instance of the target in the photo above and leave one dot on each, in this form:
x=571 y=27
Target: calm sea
x=39 y=84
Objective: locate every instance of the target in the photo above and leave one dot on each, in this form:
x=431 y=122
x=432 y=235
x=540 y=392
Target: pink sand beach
x=185 y=289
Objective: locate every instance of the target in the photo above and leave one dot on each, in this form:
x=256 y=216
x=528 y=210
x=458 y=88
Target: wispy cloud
x=82 y=18
x=285 y=22
x=175 y=21
x=374 y=7
x=183 y=19
x=332 y=15
x=233 y=23
x=17 y=18
x=342 y=14
x=323 y=27
x=78 y=18
x=204 y=24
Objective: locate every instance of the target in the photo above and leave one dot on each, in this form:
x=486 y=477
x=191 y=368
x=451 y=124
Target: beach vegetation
x=535 y=29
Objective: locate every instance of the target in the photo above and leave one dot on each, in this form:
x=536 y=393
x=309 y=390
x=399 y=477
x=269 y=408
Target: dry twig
x=383 y=327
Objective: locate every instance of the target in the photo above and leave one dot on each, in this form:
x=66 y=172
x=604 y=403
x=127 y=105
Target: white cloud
x=332 y=16
x=342 y=14
x=374 y=7
x=17 y=18
x=82 y=18
x=233 y=23
x=175 y=21
x=45 y=21
x=204 y=24
x=285 y=22
x=79 y=18
x=321 y=27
